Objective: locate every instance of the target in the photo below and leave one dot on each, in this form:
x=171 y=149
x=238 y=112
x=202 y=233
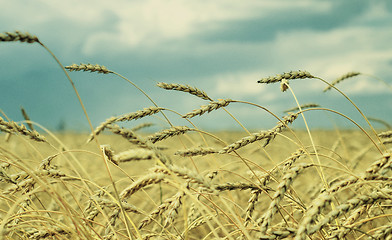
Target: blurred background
x=222 y=47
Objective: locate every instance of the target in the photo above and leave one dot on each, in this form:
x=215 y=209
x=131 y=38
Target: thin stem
x=96 y=140
x=359 y=110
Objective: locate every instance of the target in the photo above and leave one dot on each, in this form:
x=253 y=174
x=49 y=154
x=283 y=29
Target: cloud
x=222 y=47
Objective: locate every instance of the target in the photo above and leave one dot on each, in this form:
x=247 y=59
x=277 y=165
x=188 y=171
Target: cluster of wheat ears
x=138 y=187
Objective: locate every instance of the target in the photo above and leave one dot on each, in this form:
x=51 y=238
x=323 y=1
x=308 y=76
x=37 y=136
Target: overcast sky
x=222 y=47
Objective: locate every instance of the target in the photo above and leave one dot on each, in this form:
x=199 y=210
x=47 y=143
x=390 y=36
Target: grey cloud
x=265 y=28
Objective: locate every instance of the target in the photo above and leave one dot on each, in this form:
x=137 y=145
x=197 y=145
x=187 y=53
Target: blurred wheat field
x=182 y=182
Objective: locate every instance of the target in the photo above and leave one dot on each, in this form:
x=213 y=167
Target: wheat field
x=182 y=182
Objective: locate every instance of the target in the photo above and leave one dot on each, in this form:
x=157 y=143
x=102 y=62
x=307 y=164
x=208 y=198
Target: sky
x=222 y=47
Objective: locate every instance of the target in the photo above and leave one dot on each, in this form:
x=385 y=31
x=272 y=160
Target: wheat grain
x=184 y=88
x=88 y=67
x=109 y=154
x=5 y=177
x=208 y=108
x=24 y=185
x=386 y=134
x=45 y=164
x=344 y=77
x=288 y=75
x=387 y=141
x=18 y=36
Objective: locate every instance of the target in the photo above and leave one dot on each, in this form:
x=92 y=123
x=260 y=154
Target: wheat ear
x=141 y=126
x=185 y=88
x=183 y=172
x=171 y=205
x=125 y=117
x=386 y=134
x=323 y=200
x=254 y=197
x=288 y=75
x=130 y=135
x=344 y=77
x=27 y=118
x=208 y=108
x=279 y=195
x=268 y=135
x=12 y=127
x=173 y=131
x=351 y=204
x=134 y=155
x=304 y=106
x=18 y=36
x=196 y=152
x=88 y=67
x=152 y=178
x=284 y=233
